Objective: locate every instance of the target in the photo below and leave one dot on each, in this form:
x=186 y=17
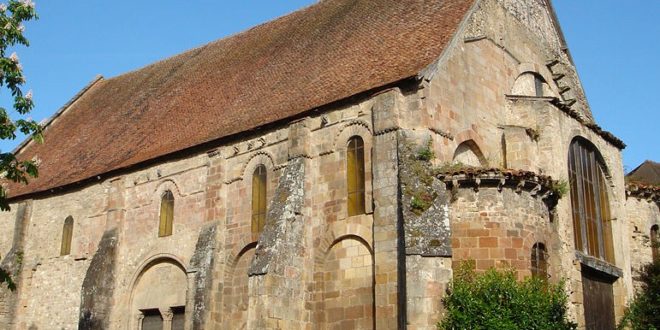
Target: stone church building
x=327 y=170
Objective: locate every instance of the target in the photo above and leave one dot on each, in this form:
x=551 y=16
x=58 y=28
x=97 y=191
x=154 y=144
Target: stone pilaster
x=98 y=287
x=390 y=307
x=200 y=278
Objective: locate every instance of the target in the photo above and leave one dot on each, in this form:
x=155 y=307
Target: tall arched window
x=355 y=175
x=539 y=261
x=67 y=236
x=589 y=201
x=166 y=214
x=259 y=189
x=655 y=242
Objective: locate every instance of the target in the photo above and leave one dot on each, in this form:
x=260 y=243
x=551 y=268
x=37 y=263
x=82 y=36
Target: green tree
x=12 y=16
x=496 y=300
x=644 y=311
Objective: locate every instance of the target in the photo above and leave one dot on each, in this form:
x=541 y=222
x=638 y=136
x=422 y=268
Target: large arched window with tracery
x=589 y=200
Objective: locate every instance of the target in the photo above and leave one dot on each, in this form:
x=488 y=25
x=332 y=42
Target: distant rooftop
x=648 y=173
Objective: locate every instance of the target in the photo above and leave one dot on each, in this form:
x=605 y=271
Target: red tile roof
x=312 y=57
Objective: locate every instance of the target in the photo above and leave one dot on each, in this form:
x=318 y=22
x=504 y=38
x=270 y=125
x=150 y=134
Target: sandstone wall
x=314 y=266
x=48 y=278
x=7 y=224
x=642 y=214
x=499 y=228
x=470 y=96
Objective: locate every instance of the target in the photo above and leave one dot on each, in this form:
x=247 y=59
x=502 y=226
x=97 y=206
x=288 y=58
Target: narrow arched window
x=655 y=242
x=166 y=214
x=590 y=204
x=259 y=189
x=67 y=236
x=355 y=175
x=539 y=261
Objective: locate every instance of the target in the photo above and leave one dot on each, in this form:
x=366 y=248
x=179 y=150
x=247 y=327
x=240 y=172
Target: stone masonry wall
x=468 y=97
x=642 y=214
x=363 y=271
x=498 y=229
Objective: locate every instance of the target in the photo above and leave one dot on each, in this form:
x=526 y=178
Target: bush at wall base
x=496 y=300
x=644 y=312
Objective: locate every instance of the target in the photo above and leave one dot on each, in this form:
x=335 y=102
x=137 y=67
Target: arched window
x=355 y=175
x=589 y=201
x=539 y=261
x=67 y=236
x=655 y=242
x=259 y=189
x=166 y=214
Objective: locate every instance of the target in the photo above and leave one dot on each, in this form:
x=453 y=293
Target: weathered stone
x=202 y=263
x=98 y=285
x=425 y=203
x=282 y=235
x=13 y=263
x=315 y=265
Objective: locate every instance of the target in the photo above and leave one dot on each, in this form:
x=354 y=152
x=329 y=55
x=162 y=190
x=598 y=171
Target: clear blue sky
x=615 y=45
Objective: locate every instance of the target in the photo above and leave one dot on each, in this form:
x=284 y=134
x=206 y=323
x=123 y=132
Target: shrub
x=496 y=300
x=644 y=311
x=426 y=153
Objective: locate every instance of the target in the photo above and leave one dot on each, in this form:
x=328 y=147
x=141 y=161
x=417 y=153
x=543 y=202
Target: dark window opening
x=538 y=85
x=178 y=318
x=152 y=320
x=539 y=261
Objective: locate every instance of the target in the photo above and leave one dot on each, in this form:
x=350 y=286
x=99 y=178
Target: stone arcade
x=327 y=170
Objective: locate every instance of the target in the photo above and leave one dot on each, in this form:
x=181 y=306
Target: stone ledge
x=599 y=265
x=537 y=184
